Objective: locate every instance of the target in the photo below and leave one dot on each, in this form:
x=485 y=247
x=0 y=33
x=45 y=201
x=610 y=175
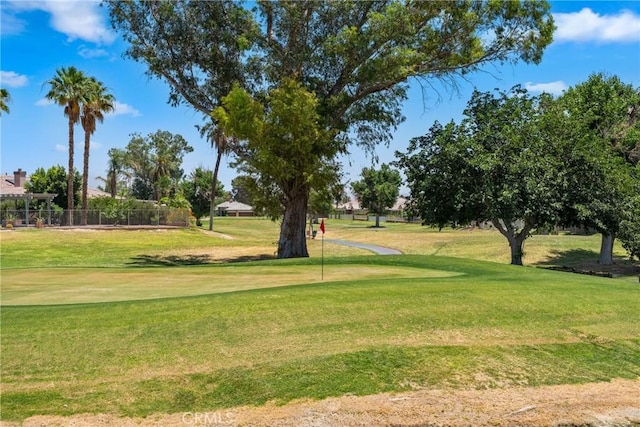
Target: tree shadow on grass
x=586 y=262
x=247 y=258
x=170 y=261
x=569 y=258
x=179 y=261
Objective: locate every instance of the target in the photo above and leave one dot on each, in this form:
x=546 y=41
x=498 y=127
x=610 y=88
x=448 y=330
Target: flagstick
x=323 y=230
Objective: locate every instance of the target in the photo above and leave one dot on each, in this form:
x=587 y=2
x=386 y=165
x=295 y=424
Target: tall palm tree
x=5 y=98
x=115 y=169
x=97 y=102
x=68 y=88
x=164 y=165
x=222 y=144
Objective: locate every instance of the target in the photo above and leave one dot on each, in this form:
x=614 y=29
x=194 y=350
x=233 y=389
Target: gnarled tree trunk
x=293 y=242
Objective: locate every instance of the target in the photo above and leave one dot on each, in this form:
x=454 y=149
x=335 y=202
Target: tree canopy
x=5 y=99
x=525 y=162
x=53 y=180
x=600 y=117
x=629 y=232
x=354 y=58
x=378 y=190
x=240 y=190
x=197 y=190
x=116 y=179
x=155 y=162
x=284 y=149
x=499 y=165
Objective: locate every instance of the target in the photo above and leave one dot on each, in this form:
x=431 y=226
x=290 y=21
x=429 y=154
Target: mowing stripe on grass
x=490 y=325
x=88 y=285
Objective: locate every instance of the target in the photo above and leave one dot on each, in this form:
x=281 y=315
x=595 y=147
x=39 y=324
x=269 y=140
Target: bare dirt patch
x=615 y=403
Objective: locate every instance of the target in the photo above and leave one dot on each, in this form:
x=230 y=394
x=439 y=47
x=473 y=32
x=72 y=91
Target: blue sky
x=38 y=37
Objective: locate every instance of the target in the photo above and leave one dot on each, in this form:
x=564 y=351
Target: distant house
x=353 y=209
x=12 y=188
x=399 y=206
x=349 y=207
x=233 y=208
x=14 y=185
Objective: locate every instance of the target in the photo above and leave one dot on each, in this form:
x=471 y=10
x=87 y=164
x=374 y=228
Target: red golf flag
x=322 y=226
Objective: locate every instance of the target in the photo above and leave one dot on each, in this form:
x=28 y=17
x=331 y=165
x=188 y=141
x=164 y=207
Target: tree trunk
x=113 y=182
x=293 y=243
x=377 y=221
x=515 y=244
x=70 y=189
x=606 y=249
x=516 y=238
x=213 y=190
x=85 y=178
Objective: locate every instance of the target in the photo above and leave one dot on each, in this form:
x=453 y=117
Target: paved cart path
x=380 y=250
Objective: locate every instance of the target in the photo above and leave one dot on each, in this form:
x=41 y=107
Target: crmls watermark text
x=208 y=418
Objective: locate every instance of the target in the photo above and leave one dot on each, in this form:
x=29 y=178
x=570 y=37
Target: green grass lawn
x=375 y=324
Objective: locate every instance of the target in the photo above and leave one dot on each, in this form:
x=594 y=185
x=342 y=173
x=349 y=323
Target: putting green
x=44 y=286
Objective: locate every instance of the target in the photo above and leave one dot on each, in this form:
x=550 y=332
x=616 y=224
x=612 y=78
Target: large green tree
x=356 y=58
x=155 y=163
x=603 y=111
x=54 y=181
x=98 y=101
x=630 y=227
x=285 y=149
x=499 y=164
x=116 y=171
x=378 y=190
x=197 y=190
x=69 y=88
x=198 y=47
x=240 y=190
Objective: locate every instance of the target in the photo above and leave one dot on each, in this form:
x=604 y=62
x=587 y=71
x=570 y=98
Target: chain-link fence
x=160 y=216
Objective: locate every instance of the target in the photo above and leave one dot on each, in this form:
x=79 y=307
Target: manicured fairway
x=40 y=286
x=489 y=325
x=138 y=322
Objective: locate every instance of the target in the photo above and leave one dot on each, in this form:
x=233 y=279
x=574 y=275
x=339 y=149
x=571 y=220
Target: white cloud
x=89 y=53
x=10 y=24
x=122 y=109
x=44 y=102
x=78 y=19
x=554 y=88
x=12 y=79
x=78 y=145
x=587 y=25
